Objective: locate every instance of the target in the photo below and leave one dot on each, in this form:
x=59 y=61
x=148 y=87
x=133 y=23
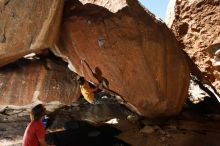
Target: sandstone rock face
x=196 y=25
x=27 y=26
x=135 y=53
x=111 y=5
x=41 y=79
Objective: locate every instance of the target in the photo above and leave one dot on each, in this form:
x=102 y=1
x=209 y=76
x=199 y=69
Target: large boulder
x=196 y=25
x=37 y=79
x=27 y=26
x=135 y=53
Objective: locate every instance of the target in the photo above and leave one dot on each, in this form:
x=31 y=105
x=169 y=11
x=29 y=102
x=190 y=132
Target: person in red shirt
x=35 y=132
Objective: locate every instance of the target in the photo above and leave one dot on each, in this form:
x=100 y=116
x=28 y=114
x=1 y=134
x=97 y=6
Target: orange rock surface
x=137 y=54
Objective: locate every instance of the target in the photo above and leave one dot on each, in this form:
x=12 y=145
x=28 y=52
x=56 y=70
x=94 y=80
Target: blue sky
x=158 y=7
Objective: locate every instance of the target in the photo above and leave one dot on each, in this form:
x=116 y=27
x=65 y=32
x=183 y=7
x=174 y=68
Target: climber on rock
x=91 y=94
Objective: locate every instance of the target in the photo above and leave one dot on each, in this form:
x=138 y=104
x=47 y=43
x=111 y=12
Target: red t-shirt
x=34 y=131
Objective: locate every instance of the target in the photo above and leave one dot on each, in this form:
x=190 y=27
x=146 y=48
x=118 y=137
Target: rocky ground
x=112 y=124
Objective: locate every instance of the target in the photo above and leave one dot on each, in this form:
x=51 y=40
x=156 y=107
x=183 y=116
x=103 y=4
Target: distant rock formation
x=137 y=54
x=27 y=26
x=196 y=25
x=37 y=79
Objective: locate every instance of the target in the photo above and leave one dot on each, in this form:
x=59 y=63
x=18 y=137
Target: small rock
x=172 y=127
x=162 y=132
x=132 y=118
x=168 y=135
x=89 y=22
x=163 y=138
x=147 y=129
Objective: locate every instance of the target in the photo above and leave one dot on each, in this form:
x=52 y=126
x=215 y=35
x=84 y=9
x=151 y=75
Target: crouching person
x=90 y=94
x=35 y=132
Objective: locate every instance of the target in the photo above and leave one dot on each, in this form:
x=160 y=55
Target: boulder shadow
x=81 y=133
